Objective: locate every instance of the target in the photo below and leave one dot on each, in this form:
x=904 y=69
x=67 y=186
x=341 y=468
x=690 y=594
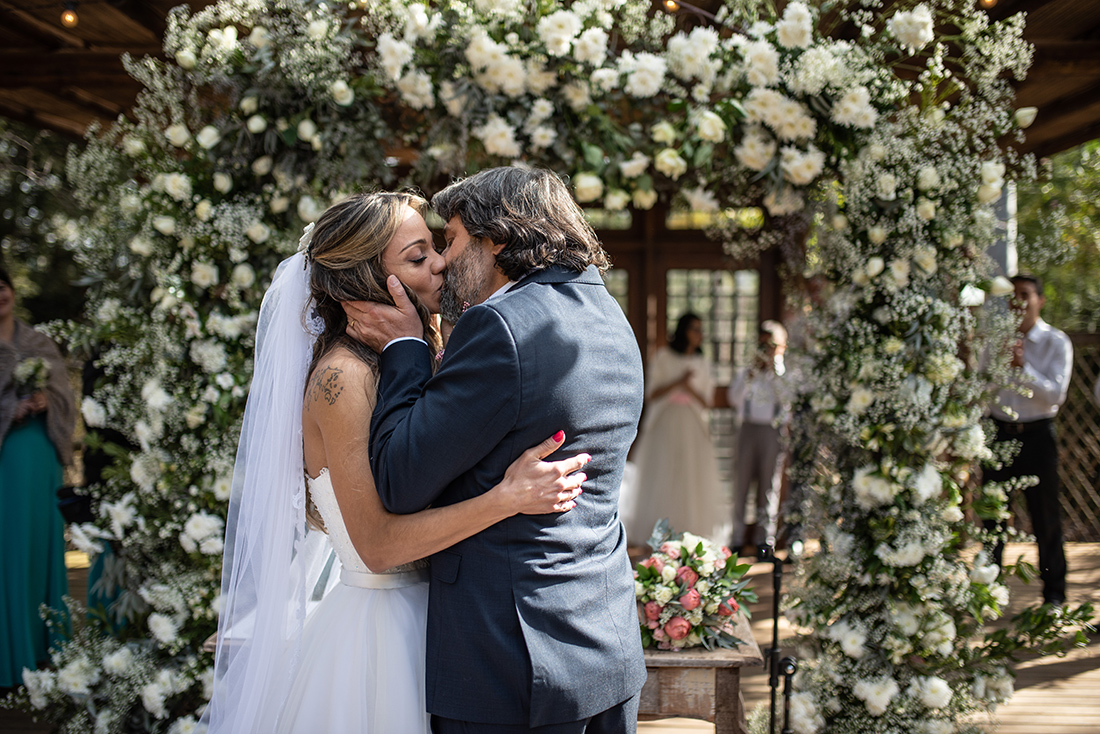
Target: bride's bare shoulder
x=340 y=376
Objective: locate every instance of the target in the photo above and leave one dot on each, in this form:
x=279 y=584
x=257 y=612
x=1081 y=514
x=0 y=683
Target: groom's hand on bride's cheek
x=377 y=324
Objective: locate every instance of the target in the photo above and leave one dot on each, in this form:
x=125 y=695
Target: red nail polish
x=559 y=436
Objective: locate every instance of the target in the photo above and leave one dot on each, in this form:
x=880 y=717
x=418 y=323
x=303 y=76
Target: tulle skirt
x=677 y=477
x=362 y=664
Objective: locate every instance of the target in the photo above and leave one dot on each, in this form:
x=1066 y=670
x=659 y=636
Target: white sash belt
x=361 y=580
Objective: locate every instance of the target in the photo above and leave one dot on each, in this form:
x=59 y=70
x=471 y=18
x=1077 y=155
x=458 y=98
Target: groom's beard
x=464 y=281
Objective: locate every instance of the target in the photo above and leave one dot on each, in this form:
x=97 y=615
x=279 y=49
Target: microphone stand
x=773 y=651
x=788 y=666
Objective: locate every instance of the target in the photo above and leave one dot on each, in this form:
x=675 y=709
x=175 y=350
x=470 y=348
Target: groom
x=532 y=623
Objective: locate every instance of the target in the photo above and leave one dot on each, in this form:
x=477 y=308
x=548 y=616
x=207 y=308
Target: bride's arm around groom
x=531 y=622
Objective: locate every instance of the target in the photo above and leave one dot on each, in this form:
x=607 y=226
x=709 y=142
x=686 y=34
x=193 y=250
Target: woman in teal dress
x=37 y=415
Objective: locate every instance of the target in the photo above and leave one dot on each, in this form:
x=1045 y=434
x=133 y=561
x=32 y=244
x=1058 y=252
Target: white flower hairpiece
x=306 y=238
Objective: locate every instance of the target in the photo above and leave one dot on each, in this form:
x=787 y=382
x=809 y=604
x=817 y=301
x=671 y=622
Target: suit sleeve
x=427 y=431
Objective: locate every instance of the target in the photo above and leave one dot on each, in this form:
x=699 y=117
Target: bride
x=306 y=644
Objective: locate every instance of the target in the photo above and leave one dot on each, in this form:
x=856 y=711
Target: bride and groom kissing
x=362 y=426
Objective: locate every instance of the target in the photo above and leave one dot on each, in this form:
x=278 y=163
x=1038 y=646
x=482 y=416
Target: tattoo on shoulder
x=325 y=386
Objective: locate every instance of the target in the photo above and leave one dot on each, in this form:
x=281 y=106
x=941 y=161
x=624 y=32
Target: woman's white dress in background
x=361 y=665
x=677 y=473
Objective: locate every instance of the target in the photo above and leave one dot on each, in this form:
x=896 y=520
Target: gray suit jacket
x=532 y=621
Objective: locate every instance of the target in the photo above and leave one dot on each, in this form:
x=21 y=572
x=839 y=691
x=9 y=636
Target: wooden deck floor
x=1053 y=695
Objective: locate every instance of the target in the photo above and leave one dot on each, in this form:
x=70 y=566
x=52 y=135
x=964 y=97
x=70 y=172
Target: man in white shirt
x=759 y=396
x=1044 y=356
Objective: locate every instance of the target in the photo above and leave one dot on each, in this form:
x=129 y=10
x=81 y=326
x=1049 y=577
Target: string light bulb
x=69 y=18
x=987 y=4
x=672 y=6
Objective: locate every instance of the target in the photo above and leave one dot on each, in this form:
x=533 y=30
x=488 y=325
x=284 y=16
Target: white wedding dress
x=361 y=668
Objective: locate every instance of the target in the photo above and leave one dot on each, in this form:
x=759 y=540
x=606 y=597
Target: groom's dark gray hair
x=528 y=210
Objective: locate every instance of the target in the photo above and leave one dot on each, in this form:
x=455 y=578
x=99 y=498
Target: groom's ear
x=496 y=249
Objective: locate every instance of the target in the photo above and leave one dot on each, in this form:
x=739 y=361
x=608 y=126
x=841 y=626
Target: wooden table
x=700 y=684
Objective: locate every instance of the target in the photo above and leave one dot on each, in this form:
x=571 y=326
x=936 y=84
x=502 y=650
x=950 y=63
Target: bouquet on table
x=688 y=592
x=31 y=375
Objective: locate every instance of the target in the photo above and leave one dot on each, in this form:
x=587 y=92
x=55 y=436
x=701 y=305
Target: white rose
x=886 y=187
x=223 y=182
x=306 y=129
x=204 y=274
x=258 y=232
x=1025 y=116
x=992 y=173
x=935 y=693
x=877 y=234
x=926 y=209
x=840 y=222
x=186 y=59
x=925 y=258
x=95 y=415
x=587 y=187
x=710 y=127
x=256 y=124
x=195 y=417
x=208 y=137
x=342 y=94
x=178 y=186
x=141 y=246
x=278 y=204
x=663 y=132
x=987 y=194
x=119 y=661
x=1001 y=286
x=616 y=200
x=928 y=179
x=243 y=275
x=899 y=272
x=39 y=685
x=262 y=165
x=669 y=162
x=644 y=199
x=317 y=30
x=636 y=166
x=249 y=105
x=177 y=135
x=913 y=28
x=133 y=146
x=700 y=200
x=308 y=209
x=163 y=628
x=164 y=224
x=259 y=37
x=204 y=210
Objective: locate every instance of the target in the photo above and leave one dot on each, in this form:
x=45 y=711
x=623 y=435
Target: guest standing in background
x=1044 y=357
x=677 y=473
x=759 y=395
x=37 y=416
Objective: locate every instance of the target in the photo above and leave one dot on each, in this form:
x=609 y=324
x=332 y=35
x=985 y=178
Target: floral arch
x=882 y=129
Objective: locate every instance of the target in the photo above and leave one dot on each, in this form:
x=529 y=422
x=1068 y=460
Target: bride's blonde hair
x=345 y=253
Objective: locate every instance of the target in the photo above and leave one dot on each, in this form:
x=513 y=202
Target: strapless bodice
x=355 y=572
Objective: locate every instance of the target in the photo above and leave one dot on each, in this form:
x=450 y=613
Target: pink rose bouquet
x=689 y=592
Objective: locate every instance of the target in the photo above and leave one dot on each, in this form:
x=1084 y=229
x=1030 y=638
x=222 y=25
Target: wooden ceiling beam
x=41 y=30
x=58 y=71
x=101 y=106
x=1065 y=58
x=66 y=126
x=1065 y=142
x=142 y=14
x=1006 y=8
x=1084 y=99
